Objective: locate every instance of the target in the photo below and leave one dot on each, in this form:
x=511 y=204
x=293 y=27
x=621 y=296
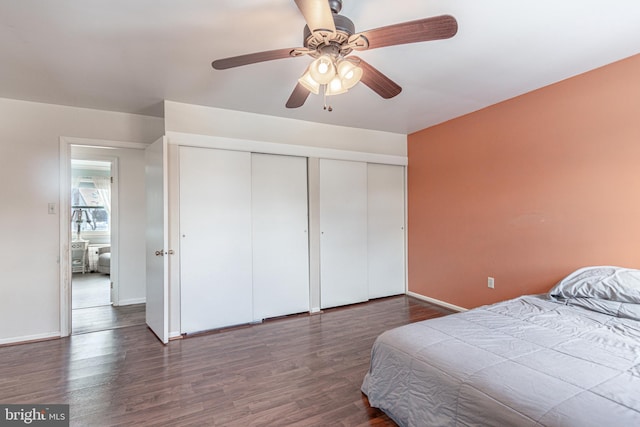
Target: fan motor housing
x=335 y=5
x=344 y=29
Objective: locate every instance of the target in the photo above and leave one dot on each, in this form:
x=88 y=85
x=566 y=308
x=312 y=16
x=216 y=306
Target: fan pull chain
x=326 y=107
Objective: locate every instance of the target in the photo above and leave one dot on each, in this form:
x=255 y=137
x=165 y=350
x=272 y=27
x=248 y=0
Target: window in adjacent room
x=90 y=199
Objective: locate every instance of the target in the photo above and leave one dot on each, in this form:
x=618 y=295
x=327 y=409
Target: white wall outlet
x=490 y=282
x=52 y=208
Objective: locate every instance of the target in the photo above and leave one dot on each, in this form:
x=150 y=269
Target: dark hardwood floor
x=91 y=306
x=93 y=319
x=300 y=370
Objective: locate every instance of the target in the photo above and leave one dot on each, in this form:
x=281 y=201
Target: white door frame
x=65 y=219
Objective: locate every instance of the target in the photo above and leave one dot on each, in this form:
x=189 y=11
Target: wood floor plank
x=91 y=306
x=100 y=318
x=300 y=370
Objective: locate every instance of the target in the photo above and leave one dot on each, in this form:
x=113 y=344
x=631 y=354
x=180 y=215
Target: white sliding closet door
x=386 y=244
x=215 y=245
x=343 y=228
x=280 y=237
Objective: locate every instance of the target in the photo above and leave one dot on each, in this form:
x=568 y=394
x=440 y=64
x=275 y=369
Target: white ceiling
x=129 y=55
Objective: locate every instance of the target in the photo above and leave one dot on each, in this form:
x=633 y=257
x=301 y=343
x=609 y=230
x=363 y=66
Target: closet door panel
x=280 y=237
x=215 y=246
x=343 y=228
x=386 y=235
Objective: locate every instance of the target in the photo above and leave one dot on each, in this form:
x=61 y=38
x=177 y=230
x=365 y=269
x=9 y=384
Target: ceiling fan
x=329 y=38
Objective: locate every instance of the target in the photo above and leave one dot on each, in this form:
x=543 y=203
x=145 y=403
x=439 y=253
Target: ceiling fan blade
x=421 y=30
x=378 y=82
x=298 y=97
x=251 y=58
x=318 y=15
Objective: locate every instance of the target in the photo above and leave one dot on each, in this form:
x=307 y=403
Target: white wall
x=131 y=219
x=29 y=180
x=195 y=125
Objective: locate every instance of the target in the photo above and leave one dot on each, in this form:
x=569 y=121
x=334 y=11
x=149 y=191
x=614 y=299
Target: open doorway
x=93 y=213
x=90 y=244
x=126 y=240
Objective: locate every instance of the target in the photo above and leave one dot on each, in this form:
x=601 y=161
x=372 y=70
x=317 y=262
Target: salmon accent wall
x=527 y=190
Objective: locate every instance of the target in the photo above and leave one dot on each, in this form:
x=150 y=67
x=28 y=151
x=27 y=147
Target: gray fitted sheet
x=525 y=362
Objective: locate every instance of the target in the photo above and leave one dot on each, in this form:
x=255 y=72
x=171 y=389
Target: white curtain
x=103 y=185
x=75 y=180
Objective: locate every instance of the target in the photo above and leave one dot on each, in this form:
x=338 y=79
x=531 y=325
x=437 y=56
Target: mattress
x=535 y=360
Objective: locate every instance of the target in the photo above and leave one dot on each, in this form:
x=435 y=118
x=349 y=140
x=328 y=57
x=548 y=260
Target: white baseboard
x=174 y=335
x=30 y=338
x=315 y=310
x=436 y=302
x=132 y=301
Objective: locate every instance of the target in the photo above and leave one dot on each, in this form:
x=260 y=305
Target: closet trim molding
x=225 y=143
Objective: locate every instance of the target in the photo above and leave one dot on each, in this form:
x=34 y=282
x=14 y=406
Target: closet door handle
x=160 y=253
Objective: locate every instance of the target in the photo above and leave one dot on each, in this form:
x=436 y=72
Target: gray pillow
x=603 y=282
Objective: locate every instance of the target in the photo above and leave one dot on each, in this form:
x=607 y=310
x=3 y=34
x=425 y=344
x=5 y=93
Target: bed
x=567 y=358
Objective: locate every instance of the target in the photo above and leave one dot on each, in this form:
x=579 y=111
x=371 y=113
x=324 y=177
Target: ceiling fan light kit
x=335 y=76
x=323 y=69
x=309 y=83
x=335 y=87
x=349 y=73
x=330 y=37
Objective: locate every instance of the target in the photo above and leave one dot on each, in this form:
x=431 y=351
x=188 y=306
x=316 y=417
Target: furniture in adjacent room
x=93 y=253
x=79 y=256
x=103 y=264
x=567 y=358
